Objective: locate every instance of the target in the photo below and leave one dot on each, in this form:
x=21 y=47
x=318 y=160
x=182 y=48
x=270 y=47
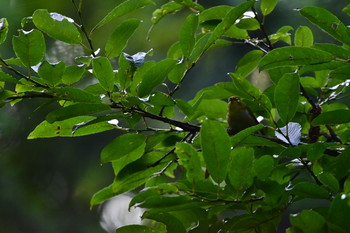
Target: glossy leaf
x=57 y=26
x=52 y=73
x=241 y=173
x=80 y=109
x=3 y=29
x=119 y=38
x=29 y=46
x=122 y=9
x=336 y=50
x=333 y=117
x=287 y=96
x=216 y=149
x=303 y=37
x=309 y=221
x=294 y=56
x=188 y=34
x=267 y=6
x=327 y=22
x=154 y=76
x=127 y=145
x=103 y=71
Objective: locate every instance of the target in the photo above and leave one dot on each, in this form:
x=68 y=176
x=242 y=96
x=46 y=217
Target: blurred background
x=46 y=184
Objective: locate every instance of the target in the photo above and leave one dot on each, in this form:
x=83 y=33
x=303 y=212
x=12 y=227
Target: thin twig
x=83 y=29
x=262 y=28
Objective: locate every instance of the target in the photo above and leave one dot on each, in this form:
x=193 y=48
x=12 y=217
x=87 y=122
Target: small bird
x=239 y=116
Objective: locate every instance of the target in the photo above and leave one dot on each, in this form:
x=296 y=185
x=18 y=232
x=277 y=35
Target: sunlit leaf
x=3 y=29
x=294 y=56
x=103 y=71
x=188 y=34
x=303 y=37
x=119 y=38
x=267 y=6
x=57 y=26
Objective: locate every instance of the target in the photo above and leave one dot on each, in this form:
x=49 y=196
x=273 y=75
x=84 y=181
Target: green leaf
x=103 y=71
x=303 y=37
x=242 y=135
x=227 y=22
x=173 y=224
x=168 y=8
x=214 y=13
x=248 y=24
x=263 y=166
x=294 y=56
x=339 y=212
x=57 y=26
x=153 y=76
x=216 y=149
x=309 y=221
x=334 y=49
x=287 y=96
x=267 y=6
x=7 y=78
x=4 y=27
x=341 y=73
x=333 y=117
x=75 y=95
x=127 y=145
x=72 y=74
x=189 y=159
x=122 y=9
x=328 y=22
x=119 y=38
x=52 y=73
x=282 y=35
x=248 y=63
x=188 y=34
x=29 y=46
x=309 y=190
x=80 y=109
x=64 y=128
x=329 y=180
x=241 y=173
x=135 y=228
x=128 y=181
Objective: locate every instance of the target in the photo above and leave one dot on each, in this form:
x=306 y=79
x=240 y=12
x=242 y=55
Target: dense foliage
x=190 y=175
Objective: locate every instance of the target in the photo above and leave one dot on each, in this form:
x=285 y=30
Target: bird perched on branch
x=239 y=116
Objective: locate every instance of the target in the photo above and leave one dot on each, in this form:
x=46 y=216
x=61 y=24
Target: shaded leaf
x=72 y=74
x=216 y=149
x=136 y=228
x=303 y=221
x=310 y=190
x=333 y=117
x=52 y=73
x=287 y=96
x=154 y=76
x=339 y=211
x=80 y=109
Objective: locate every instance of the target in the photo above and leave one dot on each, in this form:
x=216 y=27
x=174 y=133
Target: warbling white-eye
x=239 y=116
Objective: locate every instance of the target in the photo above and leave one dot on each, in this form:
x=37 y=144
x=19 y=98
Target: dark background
x=46 y=184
